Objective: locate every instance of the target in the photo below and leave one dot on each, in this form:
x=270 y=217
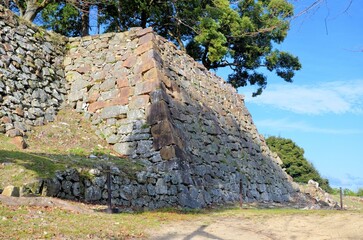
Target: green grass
x=66 y=143
x=43 y=223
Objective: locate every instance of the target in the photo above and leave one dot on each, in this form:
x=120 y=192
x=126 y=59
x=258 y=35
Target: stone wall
x=32 y=85
x=159 y=107
x=153 y=103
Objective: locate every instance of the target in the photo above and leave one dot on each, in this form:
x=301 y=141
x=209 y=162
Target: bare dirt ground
x=250 y=223
x=317 y=226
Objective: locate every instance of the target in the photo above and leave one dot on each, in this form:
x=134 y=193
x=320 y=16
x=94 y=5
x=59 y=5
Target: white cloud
x=302 y=126
x=348 y=181
x=334 y=97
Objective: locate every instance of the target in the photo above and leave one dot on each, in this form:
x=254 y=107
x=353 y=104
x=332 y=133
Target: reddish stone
x=144 y=31
x=137 y=78
x=146 y=87
x=147 y=65
x=130 y=61
x=19 y=112
x=84 y=69
x=147 y=38
x=120 y=100
x=166 y=81
x=144 y=48
x=8 y=47
x=19 y=142
x=93 y=96
x=122 y=82
x=125 y=91
x=93 y=107
x=152 y=74
x=6 y=120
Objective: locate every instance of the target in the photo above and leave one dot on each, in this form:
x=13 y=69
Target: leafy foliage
x=62 y=18
x=219 y=33
x=292 y=156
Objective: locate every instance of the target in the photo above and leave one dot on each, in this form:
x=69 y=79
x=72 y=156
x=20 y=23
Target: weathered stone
x=130 y=61
x=161 y=187
x=146 y=87
x=144 y=48
x=188 y=129
x=51 y=188
x=164 y=134
x=144 y=146
x=139 y=102
x=157 y=112
x=124 y=148
x=107 y=85
x=19 y=142
x=125 y=129
x=167 y=152
x=113 y=112
x=11 y=191
x=92 y=194
x=123 y=82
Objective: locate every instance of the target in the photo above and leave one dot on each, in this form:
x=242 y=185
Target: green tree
x=296 y=165
x=219 y=33
x=63 y=18
x=348 y=192
x=241 y=36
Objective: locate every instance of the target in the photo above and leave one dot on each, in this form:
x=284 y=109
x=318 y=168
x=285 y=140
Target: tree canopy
x=292 y=156
x=239 y=34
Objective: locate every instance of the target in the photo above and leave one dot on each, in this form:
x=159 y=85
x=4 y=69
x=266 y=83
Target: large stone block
x=164 y=134
x=146 y=87
x=113 y=112
x=11 y=191
x=157 y=112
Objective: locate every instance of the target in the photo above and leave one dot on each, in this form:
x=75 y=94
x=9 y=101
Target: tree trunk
x=31 y=11
x=85 y=20
x=144 y=18
x=33 y=7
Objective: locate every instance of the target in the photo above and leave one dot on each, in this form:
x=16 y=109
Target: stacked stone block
x=153 y=103
x=32 y=86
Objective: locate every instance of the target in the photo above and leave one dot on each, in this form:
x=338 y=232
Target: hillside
x=68 y=142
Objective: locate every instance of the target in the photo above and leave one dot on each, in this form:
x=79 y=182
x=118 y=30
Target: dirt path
x=45 y=202
x=341 y=225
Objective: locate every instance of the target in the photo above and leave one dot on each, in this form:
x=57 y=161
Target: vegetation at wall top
x=297 y=166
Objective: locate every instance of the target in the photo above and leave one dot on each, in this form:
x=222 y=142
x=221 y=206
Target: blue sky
x=322 y=111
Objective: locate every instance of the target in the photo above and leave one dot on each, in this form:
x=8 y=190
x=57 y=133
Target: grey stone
x=67 y=187
x=125 y=128
x=76 y=189
x=99 y=181
x=125 y=148
x=161 y=187
x=113 y=112
x=144 y=146
x=92 y=193
x=51 y=187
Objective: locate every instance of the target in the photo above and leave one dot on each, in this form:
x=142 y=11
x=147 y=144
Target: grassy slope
x=66 y=142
